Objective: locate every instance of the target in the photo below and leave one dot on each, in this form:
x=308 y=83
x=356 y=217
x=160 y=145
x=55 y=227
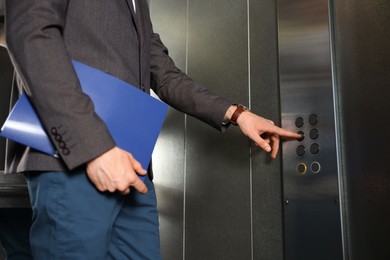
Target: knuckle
x=122 y=186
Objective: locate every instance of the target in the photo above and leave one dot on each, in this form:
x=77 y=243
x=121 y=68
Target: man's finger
x=275 y=145
x=262 y=143
x=285 y=133
x=140 y=186
x=126 y=191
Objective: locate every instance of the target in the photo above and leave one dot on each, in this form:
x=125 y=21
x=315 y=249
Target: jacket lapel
x=140 y=20
x=137 y=18
x=133 y=15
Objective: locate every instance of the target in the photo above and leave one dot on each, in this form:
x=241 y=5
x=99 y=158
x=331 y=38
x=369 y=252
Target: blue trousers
x=73 y=220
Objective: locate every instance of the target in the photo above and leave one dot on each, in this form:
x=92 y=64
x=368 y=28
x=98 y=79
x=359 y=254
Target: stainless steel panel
x=310 y=175
x=362 y=66
x=218 y=215
x=169 y=20
x=264 y=93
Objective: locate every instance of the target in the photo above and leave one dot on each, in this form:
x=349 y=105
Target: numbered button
x=299 y=122
x=315 y=167
x=301 y=150
x=315 y=148
x=303 y=136
x=313 y=134
x=313 y=119
x=301 y=168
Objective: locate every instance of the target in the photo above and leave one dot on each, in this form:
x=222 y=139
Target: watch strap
x=236 y=114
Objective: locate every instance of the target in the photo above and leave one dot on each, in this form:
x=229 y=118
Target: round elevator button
x=303 y=136
x=313 y=119
x=314 y=148
x=313 y=133
x=301 y=150
x=301 y=168
x=299 y=122
x=315 y=167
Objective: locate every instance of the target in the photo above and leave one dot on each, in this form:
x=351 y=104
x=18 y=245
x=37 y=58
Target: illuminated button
x=313 y=134
x=314 y=148
x=301 y=168
x=299 y=122
x=303 y=136
x=313 y=119
x=315 y=167
x=301 y=150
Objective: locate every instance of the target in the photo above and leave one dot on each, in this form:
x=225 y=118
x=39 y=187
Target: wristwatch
x=236 y=114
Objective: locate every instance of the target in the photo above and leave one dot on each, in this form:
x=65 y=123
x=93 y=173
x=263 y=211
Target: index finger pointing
x=286 y=133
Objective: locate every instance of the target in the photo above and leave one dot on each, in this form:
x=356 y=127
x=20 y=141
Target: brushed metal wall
x=312 y=218
x=362 y=80
x=219 y=197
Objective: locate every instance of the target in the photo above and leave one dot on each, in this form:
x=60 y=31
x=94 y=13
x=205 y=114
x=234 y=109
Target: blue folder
x=134 y=118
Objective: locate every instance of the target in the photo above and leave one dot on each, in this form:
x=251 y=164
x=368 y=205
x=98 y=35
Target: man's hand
x=116 y=170
x=261 y=130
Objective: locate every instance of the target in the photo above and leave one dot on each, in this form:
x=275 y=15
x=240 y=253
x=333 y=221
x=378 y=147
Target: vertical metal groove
x=250 y=148
x=185 y=139
x=337 y=126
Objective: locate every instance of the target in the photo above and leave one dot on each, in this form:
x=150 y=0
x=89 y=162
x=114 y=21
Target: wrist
x=237 y=109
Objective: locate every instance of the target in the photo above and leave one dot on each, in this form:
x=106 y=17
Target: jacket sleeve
x=181 y=92
x=34 y=37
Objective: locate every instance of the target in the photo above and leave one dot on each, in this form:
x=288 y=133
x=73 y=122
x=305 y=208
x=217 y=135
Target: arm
x=259 y=129
x=34 y=37
x=178 y=90
x=175 y=88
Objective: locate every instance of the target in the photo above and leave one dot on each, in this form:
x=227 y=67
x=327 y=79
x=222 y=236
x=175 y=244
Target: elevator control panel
x=314 y=153
x=308 y=147
x=312 y=220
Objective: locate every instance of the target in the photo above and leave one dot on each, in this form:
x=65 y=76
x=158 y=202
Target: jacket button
x=58 y=137
x=62 y=144
x=53 y=130
x=65 y=151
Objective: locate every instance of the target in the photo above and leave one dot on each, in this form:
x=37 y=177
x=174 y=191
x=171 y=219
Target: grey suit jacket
x=43 y=37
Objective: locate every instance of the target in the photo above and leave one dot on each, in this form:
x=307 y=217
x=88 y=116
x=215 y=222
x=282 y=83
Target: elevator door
x=362 y=66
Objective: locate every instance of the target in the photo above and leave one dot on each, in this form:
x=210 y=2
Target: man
x=88 y=204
